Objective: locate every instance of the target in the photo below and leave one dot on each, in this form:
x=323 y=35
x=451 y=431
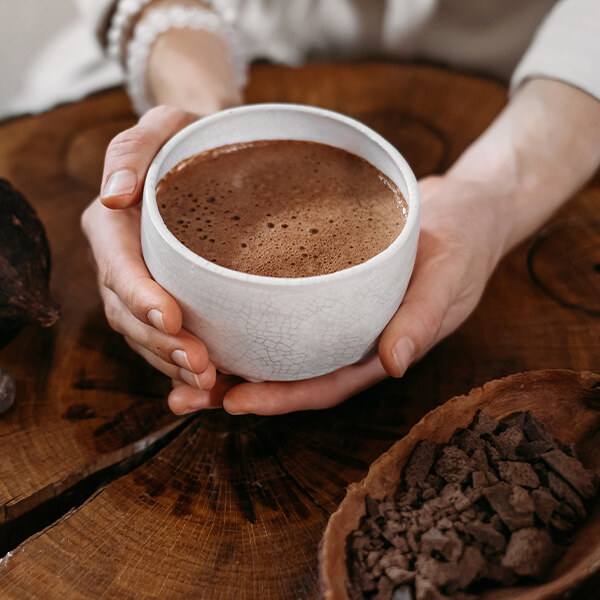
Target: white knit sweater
x=509 y=39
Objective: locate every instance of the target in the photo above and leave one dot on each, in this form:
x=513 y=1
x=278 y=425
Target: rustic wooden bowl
x=567 y=402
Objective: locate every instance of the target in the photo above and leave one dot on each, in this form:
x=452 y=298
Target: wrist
x=178 y=77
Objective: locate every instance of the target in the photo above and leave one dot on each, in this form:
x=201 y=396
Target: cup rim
x=151 y=206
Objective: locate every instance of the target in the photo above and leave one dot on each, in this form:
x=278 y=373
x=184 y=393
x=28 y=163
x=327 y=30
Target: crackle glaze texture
x=267 y=328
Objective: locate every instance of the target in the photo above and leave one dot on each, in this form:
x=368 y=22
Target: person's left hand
x=464 y=228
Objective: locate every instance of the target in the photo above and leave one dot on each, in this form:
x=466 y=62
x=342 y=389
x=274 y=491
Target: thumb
x=419 y=322
x=130 y=153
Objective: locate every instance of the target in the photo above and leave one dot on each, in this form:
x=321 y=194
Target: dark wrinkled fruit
x=24 y=265
x=7 y=390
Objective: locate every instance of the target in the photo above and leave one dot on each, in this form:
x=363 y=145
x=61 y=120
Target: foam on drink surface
x=281 y=208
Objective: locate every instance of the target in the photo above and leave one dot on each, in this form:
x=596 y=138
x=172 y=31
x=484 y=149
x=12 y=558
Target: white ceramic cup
x=275 y=328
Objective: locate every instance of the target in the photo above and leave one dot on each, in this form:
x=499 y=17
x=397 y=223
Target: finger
x=184 y=399
x=202 y=381
x=115 y=241
x=183 y=350
x=130 y=153
x=275 y=398
x=418 y=323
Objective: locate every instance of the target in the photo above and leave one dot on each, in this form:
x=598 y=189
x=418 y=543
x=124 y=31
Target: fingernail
x=156 y=319
x=180 y=358
x=190 y=378
x=235 y=414
x=121 y=182
x=187 y=411
x=403 y=353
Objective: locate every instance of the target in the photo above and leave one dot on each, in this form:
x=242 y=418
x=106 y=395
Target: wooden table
x=110 y=496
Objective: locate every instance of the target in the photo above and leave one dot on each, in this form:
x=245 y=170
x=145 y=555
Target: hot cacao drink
x=281 y=208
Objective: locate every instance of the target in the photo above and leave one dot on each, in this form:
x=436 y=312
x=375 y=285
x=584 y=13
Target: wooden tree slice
x=235 y=506
x=84 y=400
x=568 y=403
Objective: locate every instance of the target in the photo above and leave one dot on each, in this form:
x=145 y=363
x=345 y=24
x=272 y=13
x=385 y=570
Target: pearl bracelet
x=126 y=10
x=159 y=21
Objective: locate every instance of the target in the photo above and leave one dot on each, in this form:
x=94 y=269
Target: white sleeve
x=96 y=14
x=566 y=47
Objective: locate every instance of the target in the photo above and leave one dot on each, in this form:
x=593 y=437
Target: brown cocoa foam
x=281 y=208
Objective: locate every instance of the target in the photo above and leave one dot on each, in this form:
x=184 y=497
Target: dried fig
x=24 y=265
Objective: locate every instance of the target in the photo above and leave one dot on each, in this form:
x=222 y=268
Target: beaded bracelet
x=159 y=21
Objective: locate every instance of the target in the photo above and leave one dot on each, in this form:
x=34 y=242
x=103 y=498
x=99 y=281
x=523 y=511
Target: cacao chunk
x=24 y=265
x=535 y=431
x=545 y=504
x=419 y=464
x=467 y=440
x=563 y=491
x=487 y=535
x=518 y=473
x=425 y=590
x=583 y=481
x=499 y=497
x=483 y=423
x=453 y=465
x=470 y=565
x=507 y=442
x=530 y=553
x=399 y=576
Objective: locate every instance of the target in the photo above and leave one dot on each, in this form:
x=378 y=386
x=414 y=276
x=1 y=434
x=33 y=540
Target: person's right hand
x=135 y=305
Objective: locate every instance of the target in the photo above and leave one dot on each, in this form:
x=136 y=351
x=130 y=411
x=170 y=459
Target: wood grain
x=235 y=506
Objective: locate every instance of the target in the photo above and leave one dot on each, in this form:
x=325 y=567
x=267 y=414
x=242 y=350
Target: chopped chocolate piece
x=499 y=496
x=385 y=588
x=479 y=479
x=518 y=473
x=530 y=553
x=453 y=465
x=400 y=542
x=487 y=535
x=479 y=459
x=563 y=491
x=399 y=576
x=483 y=423
x=507 y=442
x=433 y=540
x=521 y=501
x=491 y=452
x=484 y=508
x=466 y=439
x=435 y=481
x=470 y=565
x=425 y=590
x=419 y=464
x=496 y=523
x=532 y=450
x=583 y=481
x=535 y=431
x=439 y=573
x=453 y=497
x=394 y=558
x=545 y=504
x=412 y=542
x=403 y=593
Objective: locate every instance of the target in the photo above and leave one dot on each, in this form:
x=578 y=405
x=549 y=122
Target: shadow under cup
x=275 y=328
